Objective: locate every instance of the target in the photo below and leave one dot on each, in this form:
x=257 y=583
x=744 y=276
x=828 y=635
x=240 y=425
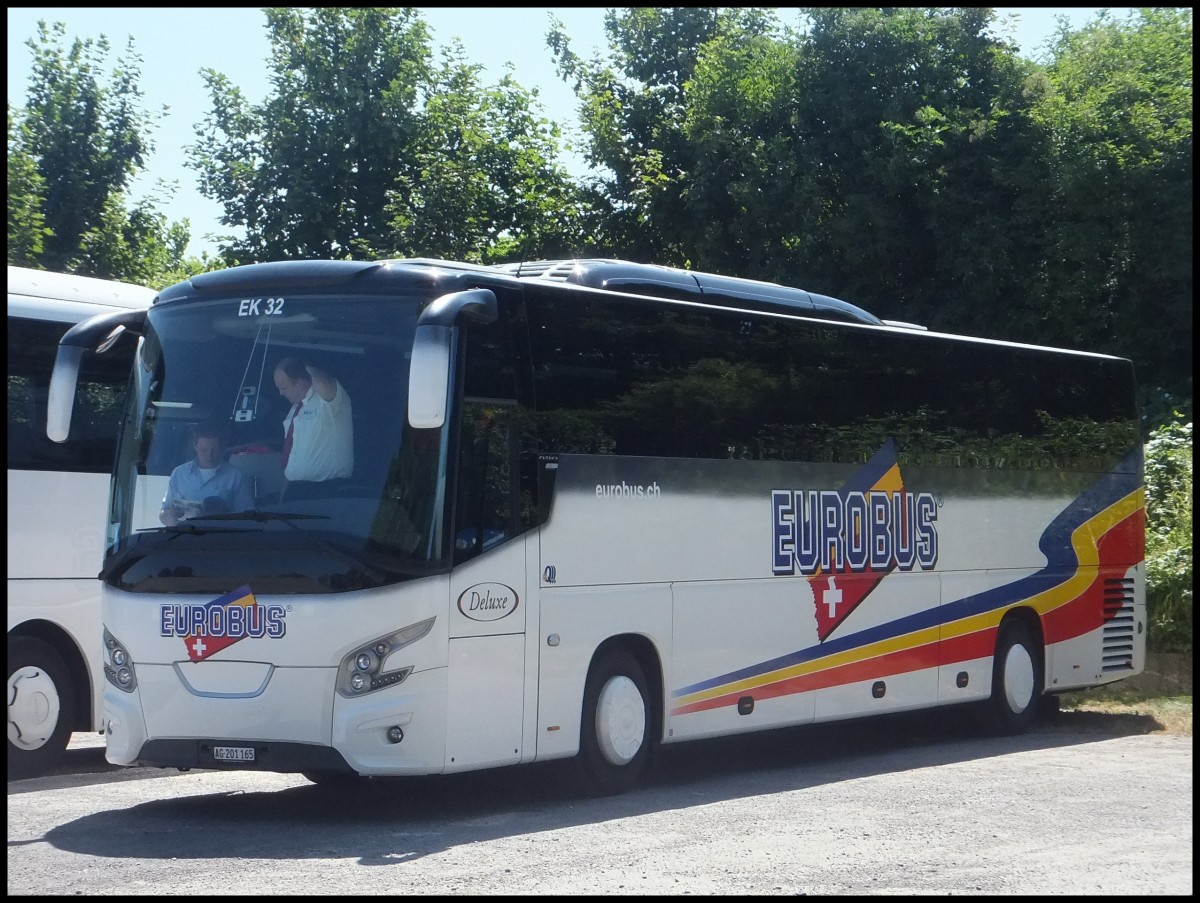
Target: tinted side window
x=32 y=345
x=1062 y=411
x=637 y=378
x=495 y=498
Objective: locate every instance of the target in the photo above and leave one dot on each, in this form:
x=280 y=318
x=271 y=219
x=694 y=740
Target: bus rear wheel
x=1016 y=681
x=41 y=701
x=615 y=737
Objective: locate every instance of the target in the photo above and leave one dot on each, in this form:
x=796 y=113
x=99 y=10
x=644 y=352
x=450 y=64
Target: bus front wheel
x=1016 y=681
x=40 y=705
x=614 y=738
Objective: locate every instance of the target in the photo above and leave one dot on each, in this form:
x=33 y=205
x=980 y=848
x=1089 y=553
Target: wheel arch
x=1030 y=619
x=58 y=639
x=643 y=650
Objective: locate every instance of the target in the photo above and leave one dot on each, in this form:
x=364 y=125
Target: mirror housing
x=429 y=376
x=432 y=364
x=60 y=401
x=97 y=334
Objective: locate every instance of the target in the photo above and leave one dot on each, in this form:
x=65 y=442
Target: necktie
x=287 y=440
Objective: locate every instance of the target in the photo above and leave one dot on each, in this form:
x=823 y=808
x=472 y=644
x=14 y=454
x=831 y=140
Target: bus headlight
x=361 y=671
x=118 y=666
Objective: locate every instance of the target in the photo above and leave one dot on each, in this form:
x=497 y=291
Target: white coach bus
x=57 y=494
x=597 y=507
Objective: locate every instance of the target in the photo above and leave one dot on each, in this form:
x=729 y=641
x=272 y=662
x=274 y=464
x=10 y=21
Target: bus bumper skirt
x=269 y=755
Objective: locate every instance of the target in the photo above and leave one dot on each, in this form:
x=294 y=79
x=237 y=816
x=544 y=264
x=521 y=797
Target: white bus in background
x=56 y=500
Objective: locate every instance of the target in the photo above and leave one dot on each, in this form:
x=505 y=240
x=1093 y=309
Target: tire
x=615 y=739
x=1016 y=681
x=41 y=707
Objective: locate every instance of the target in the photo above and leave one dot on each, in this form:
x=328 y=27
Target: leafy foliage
x=1118 y=222
x=26 y=189
x=1169 y=537
x=74 y=149
x=633 y=110
x=487 y=186
x=906 y=159
x=367 y=148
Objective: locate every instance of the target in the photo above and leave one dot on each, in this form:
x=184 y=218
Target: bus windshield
x=373 y=520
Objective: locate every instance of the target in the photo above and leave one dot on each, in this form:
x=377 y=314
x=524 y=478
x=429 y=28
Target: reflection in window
x=488 y=498
x=32 y=346
x=631 y=378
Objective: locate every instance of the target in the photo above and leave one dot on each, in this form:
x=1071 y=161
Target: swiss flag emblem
x=835 y=595
x=201 y=644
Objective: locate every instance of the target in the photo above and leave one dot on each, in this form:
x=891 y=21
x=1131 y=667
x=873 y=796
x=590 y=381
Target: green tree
x=633 y=108
x=26 y=190
x=78 y=143
x=908 y=160
x=1117 y=272
x=871 y=156
x=1169 y=491
x=487 y=187
x=368 y=148
x=749 y=190
x=308 y=172
x=139 y=244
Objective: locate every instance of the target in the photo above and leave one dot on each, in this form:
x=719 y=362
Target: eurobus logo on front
x=207 y=629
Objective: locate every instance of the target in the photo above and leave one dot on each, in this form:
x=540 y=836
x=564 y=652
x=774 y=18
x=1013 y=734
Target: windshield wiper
x=263 y=516
x=189 y=526
x=259 y=516
x=192 y=528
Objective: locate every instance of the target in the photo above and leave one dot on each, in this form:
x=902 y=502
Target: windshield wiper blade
x=192 y=528
x=260 y=516
x=287 y=517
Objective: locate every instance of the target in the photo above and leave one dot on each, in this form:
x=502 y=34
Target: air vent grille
x=555 y=270
x=1118 y=625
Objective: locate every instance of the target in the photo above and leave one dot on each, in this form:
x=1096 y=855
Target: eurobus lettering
x=234 y=621
x=824 y=530
x=584 y=509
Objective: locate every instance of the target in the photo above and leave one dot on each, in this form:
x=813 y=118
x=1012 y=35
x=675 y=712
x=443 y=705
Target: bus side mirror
x=60 y=401
x=432 y=364
x=98 y=334
x=429 y=376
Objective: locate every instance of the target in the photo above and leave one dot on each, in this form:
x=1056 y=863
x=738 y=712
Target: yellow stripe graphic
x=1085 y=541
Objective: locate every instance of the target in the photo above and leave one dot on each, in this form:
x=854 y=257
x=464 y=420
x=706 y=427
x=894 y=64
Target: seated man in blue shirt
x=205 y=484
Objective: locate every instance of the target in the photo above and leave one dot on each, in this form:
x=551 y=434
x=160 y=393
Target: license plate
x=233 y=753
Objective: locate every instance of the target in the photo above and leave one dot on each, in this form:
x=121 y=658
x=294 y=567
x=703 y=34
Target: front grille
x=1118 y=625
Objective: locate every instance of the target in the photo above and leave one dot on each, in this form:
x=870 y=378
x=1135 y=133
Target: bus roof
x=689 y=285
x=622 y=277
x=36 y=293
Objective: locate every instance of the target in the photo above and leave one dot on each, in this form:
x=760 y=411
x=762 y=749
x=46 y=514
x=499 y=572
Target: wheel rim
x=33 y=708
x=1018 y=678
x=620 y=720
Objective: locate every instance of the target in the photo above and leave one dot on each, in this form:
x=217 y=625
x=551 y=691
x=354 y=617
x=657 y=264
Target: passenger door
x=488 y=590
